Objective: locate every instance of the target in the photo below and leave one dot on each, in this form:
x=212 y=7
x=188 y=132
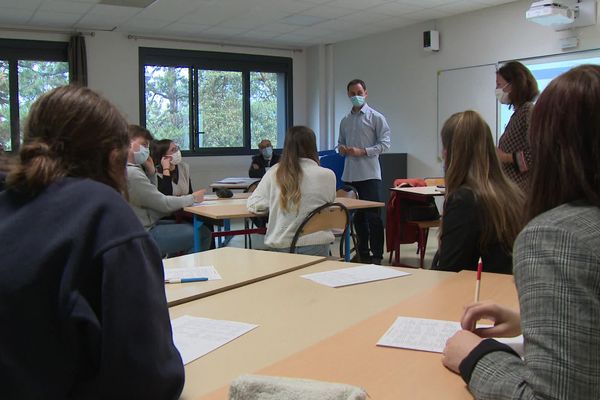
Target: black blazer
x=259 y=165
x=459 y=243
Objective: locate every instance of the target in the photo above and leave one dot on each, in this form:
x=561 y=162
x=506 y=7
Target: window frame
x=15 y=50
x=237 y=62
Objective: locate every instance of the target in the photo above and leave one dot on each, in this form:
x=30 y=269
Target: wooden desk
x=388 y=373
x=420 y=190
x=293 y=313
x=236 y=208
x=237 y=267
x=237 y=195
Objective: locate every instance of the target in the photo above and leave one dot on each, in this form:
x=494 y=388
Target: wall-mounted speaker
x=431 y=40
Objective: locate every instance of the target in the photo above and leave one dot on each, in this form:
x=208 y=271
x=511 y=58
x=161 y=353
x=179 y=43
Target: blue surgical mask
x=140 y=157
x=357 y=101
x=267 y=152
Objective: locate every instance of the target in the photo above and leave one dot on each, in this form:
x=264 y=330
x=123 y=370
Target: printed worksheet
x=208 y=271
x=431 y=335
x=195 y=336
x=354 y=275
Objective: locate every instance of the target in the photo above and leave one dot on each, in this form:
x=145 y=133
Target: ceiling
x=289 y=23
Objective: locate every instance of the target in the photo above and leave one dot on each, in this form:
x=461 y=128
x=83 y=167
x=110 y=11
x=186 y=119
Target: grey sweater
x=147 y=202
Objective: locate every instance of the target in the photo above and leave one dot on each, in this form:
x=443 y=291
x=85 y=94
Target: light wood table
x=293 y=313
x=226 y=210
x=237 y=267
x=388 y=373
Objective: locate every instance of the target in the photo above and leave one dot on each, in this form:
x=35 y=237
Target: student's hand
x=343 y=150
x=458 y=347
x=507 y=322
x=199 y=195
x=149 y=167
x=356 y=151
x=165 y=162
x=505 y=158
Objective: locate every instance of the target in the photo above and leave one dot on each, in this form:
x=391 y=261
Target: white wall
x=401 y=77
x=113 y=71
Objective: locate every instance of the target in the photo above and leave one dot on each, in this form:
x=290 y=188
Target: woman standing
x=290 y=190
x=82 y=298
x=483 y=208
x=557 y=263
x=516 y=87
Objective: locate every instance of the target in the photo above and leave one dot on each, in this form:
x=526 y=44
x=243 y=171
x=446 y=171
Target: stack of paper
x=354 y=275
x=192 y=272
x=195 y=337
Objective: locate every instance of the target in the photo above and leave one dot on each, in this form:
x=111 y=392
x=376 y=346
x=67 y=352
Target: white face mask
x=502 y=96
x=176 y=157
x=140 y=156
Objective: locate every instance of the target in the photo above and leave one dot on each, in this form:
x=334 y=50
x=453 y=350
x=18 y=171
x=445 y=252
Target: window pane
x=267 y=108
x=221 y=111
x=35 y=79
x=168 y=103
x=4 y=106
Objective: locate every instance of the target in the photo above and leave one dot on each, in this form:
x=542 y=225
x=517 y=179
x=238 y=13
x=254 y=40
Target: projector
x=550 y=13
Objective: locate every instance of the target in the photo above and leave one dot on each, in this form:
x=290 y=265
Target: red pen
x=478 y=284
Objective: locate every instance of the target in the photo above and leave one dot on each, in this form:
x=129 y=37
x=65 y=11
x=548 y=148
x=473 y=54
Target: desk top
x=236 y=208
x=234 y=183
x=237 y=195
x=421 y=190
x=293 y=313
x=388 y=373
x=237 y=267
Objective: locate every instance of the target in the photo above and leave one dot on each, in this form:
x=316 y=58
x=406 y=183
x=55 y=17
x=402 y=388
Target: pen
x=185 y=280
x=478 y=284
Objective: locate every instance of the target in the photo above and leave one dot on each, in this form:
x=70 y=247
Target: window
x=215 y=103
x=544 y=70
x=27 y=69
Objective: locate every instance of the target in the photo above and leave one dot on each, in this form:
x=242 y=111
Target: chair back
x=347 y=191
x=328 y=217
x=252 y=187
x=435 y=181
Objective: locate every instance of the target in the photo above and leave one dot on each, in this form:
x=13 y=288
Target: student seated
x=483 y=209
x=173 y=175
x=263 y=161
x=556 y=263
x=83 y=305
x=291 y=190
x=151 y=206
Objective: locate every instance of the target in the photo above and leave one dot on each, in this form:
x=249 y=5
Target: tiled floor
x=408 y=252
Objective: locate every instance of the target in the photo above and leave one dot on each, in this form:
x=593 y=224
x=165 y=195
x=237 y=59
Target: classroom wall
x=401 y=76
x=113 y=71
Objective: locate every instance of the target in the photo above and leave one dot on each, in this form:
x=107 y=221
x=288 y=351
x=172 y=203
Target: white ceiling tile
x=425 y=3
x=289 y=6
x=53 y=19
x=223 y=31
x=328 y=12
x=278 y=27
x=180 y=29
x=21 y=4
x=139 y=22
x=395 y=9
x=363 y=17
x=357 y=4
x=61 y=6
x=212 y=15
x=114 y=12
x=428 y=14
x=259 y=35
x=15 y=16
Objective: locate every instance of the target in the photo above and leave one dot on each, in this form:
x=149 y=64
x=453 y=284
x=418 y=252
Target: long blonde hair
x=300 y=142
x=471 y=161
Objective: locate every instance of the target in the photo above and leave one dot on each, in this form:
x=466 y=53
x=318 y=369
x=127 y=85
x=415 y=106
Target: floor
x=408 y=252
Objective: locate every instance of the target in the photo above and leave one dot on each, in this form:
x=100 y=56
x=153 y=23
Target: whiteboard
x=469 y=88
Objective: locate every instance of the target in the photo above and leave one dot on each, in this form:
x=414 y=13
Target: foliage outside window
x=27 y=70
x=215 y=103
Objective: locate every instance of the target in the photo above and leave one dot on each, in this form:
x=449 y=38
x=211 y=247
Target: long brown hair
x=300 y=142
x=565 y=141
x=523 y=86
x=71 y=131
x=471 y=161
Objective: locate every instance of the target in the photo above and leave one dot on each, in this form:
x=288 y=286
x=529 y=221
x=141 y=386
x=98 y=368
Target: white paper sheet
x=430 y=335
x=354 y=275
x=195 y=336
x=192 y=272
x=206 y=203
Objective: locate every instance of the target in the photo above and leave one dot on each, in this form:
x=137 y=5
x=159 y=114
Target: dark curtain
x=78 y=60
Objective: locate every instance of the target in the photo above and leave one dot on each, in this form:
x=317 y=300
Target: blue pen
x=185 y=280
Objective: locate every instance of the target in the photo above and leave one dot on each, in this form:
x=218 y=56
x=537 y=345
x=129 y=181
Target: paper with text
x=195 y=336
x=354 y=275
x=431 y=335
x=192 y=272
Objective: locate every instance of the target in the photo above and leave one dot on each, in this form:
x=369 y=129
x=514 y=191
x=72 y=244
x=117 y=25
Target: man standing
x=266 y=159
x=364 y=134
